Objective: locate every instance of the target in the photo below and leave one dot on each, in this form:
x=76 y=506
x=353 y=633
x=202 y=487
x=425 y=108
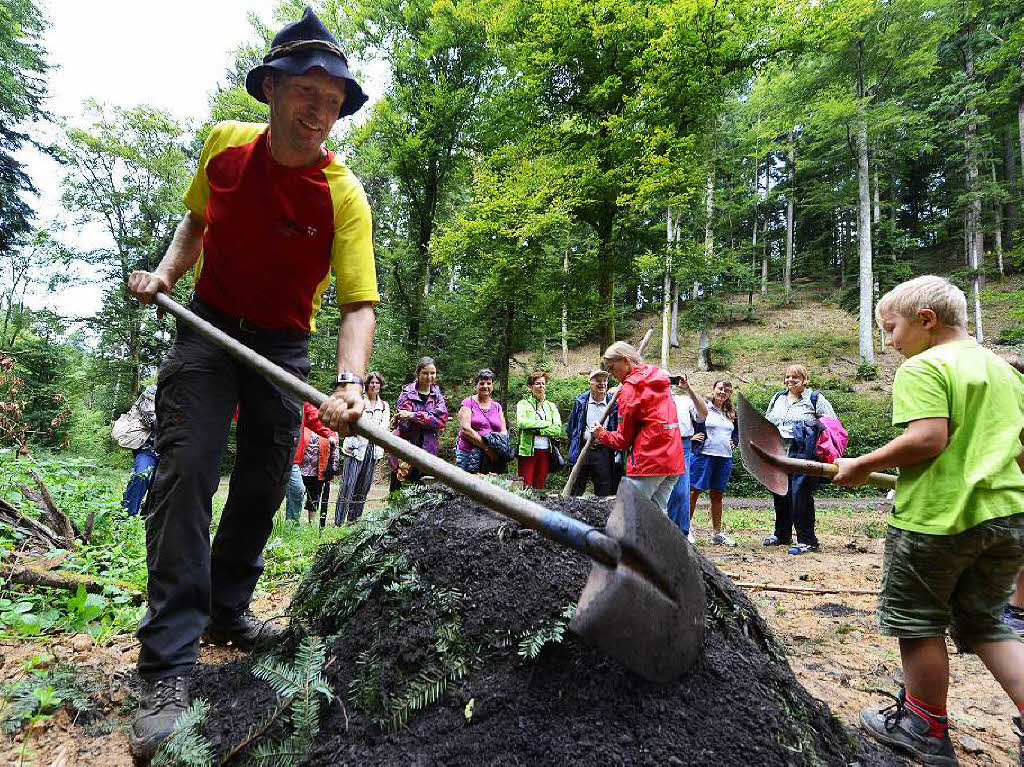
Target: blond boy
x=955 y=542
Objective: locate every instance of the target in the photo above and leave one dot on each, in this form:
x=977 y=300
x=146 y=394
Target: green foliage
x=532 y=642
x=39 y=693
x=187 y=746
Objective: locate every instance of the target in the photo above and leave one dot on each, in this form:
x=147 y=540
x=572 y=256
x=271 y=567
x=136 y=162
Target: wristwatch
x=347 y=379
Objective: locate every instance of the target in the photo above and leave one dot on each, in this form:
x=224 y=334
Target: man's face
x=598 y=388
x=303 y=110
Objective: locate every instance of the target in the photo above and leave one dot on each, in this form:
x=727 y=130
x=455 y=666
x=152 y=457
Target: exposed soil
x=572 y=705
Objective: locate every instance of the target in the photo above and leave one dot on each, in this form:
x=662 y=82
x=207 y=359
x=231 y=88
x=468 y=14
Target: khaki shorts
x=961 y=582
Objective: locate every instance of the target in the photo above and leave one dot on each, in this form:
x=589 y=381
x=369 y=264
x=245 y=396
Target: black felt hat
x=297 y=48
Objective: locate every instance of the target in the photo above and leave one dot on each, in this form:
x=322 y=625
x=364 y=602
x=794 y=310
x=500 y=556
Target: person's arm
x=922 y=440
x=355 y=340
x=181 y=256
x=623 y=437
x=577 y=420
x=526 y=416
x=552 y=428
x=466 y=427
x=311 y=420
x=435 y=416
x=501 y=418
x=824 y=407
x=699 y=405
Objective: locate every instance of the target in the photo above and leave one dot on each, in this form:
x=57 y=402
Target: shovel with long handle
x=643 y=603
x=764 y=454
x=578 y=466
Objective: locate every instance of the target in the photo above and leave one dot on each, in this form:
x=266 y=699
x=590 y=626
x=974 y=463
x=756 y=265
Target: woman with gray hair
x=648 y=424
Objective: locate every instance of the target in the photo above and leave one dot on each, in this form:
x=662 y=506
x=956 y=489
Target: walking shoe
x=1019 y=727
x=245 y=631
x=899 y=727
x=1014 y=618
x=804 y=548
x=721 y=539
x=160 y=704
x=774 y=540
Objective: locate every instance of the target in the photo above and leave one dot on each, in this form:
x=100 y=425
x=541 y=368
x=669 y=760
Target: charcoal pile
x=447 y=645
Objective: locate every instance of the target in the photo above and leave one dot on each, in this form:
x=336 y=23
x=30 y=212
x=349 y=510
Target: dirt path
x=833 y=645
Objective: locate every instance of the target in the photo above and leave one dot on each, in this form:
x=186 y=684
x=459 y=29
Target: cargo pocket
x=285 y=440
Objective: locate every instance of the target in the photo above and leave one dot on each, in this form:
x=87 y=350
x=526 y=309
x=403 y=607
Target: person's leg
x=579 y=485
x=783 y=533
x=196 y=393
x=1005 y=661
x=313 y=487
x=676 y=503
x=694 y=497
x=601 y=471
x=346 y=488
x=143 y=462
x=525 y=466
x=268 y=426
x=926 y=670
x=294 y=493
x=363 y=482
x=803 y=510
x=1017 y=600
x=716 y=511
x=540 y=468
x=663 y=491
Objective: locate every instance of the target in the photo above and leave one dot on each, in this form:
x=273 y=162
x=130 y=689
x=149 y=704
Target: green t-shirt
x=976 y=478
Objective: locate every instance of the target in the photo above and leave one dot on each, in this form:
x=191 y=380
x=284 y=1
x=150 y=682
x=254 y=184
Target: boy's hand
x=851 y=472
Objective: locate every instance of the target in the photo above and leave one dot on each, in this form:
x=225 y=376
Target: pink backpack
x=832 y=440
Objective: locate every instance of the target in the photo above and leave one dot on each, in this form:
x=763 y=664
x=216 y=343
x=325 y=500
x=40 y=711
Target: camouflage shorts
x=961 y=582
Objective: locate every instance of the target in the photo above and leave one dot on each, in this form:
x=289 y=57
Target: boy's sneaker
x=1020 y=735
x=804 y=548
x=721 y=539
x=1014 y=618
x=899 y=727
x=774 y=540
x=160 y=704
x=245 y=631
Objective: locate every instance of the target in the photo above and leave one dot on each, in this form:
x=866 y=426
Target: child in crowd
x=955 y=542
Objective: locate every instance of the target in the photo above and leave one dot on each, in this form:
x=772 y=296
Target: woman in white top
x=797 y=404
x=712 y=465
x=360 y=457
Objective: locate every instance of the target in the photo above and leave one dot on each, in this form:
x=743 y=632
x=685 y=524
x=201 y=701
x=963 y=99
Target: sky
x=125 y=53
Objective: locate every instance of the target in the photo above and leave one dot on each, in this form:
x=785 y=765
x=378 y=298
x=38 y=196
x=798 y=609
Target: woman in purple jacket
x=420 y=414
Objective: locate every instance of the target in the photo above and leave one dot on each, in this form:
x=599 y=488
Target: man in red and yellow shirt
x=271 y=215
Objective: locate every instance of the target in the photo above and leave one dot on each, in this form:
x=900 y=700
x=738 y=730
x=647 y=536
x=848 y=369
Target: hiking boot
x=900 y=728
x=804 y=548
x=1019 y=732
x=1014 y=618
x=244 y=631
x=774 y=540
x=160 y=704
x=721 y=539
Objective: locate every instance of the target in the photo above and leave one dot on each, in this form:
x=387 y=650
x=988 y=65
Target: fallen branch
x=801 y=589
x=62 y=524
x=15 y=518
x=35 y=576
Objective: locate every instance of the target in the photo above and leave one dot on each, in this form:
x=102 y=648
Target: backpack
x=128 y=431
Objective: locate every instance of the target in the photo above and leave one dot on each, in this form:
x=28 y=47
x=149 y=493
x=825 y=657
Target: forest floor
x=833 y=646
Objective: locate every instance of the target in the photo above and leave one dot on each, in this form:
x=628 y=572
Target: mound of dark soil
x=447 y=647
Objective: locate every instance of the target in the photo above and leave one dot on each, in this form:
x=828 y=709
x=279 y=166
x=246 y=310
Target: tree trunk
x=666 y=307
x=1010 y=210
x=865 y=321
x=704 y=351
x=606 y=290
x=764 y=229
x=674 y=333
x=787 y=272
x=974 y=241
x=565 y=310
x=998 y=228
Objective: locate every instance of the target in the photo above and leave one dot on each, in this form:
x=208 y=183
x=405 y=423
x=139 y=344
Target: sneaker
x=245 y=632
x=721 y=539
x=160 y=704
x=900 y=728
x=774 y=540
x=1014 y=618
x=689 y=537
x=804 y=548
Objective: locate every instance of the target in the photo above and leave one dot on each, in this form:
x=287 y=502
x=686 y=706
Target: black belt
x=241 y=327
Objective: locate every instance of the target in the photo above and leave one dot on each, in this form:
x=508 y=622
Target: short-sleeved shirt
x=719 y=426
x=274 y=234
x=482 y=421
x=687 y=413
x=785 y=413
x=976 y=477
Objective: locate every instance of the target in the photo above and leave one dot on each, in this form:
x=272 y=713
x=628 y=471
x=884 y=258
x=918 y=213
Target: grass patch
x=788 y=346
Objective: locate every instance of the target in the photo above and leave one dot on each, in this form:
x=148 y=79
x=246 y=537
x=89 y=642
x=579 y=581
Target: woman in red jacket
x=648 y=424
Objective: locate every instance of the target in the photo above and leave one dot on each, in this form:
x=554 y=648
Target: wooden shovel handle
x=551 y=524
x=578 y=466
x=819 y=469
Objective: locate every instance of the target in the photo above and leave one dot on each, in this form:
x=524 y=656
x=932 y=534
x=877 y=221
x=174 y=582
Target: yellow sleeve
x=198 y=192
x=355 y=273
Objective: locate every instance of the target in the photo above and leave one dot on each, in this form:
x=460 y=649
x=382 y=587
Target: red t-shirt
x=274 y=234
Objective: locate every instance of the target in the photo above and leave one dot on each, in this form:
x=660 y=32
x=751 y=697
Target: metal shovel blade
x=755 y=429
x=647 y=612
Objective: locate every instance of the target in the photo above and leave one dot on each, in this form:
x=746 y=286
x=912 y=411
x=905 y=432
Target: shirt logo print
x=290 y=228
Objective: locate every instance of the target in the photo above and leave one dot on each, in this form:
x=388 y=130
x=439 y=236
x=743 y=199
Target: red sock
x=935 y=716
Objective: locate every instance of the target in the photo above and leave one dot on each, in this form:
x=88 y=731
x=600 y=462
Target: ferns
x=42 y=692
x=187 y=746
x=426 y=688
x=531 y=643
